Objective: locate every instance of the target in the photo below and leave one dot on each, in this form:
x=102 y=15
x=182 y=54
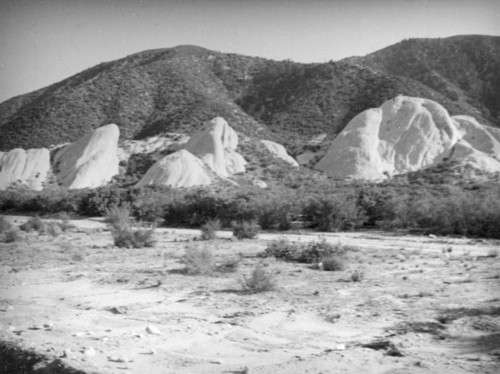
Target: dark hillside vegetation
x=177 y=89
x=465 y=68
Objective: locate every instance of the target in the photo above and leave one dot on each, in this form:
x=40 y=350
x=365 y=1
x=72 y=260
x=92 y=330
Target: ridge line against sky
x=45 y=41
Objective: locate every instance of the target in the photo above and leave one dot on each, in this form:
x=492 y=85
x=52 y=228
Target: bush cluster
x=125 y=235
x=314 y=252
x=418 y=205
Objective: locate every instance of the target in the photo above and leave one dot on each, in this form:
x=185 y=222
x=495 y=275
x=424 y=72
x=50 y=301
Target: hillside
x=464 y=68
x=177 y=89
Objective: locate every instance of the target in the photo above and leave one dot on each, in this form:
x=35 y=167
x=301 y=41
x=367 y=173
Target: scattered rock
x=120 y=358
x=90 y=352
x=153 y=330
x=67 y=353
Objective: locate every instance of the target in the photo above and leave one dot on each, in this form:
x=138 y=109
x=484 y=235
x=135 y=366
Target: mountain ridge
x=178 y=89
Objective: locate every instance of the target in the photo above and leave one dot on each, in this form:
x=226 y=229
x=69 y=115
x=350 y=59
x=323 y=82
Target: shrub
x=209 y=229
x=33 y=224
x=334 y=212
x=12 y=235
x=53 y=229
x=357 y=275
x=198 y=261
x=309 y=253
x=245 y=229
x=5 y=225
x=331 y=263
x=123 y=232
x=65 y=223
x=259 y=280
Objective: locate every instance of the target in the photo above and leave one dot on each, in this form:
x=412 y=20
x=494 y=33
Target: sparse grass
x=357 y=275
x=245 y=229
x=259 y=280
x=65 y=223
x=5 y=225
x=209 y=229
x=12 y=236
x=198 y=261
x=229 y=265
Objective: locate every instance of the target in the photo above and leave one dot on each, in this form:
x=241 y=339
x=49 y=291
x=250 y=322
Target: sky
x=45 y=41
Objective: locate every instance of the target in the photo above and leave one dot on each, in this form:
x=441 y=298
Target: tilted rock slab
x=216 y=146
x=280 y=152
x=28 y=168
x=407 y=134
x=179 y=169
x=91 y=161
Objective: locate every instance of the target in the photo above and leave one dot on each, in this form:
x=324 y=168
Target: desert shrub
x=245 y=229
x=259 y=280
x=65 y=223
x=332 y=263
x=310 y=253
x=5 y=225
x=128 y=237
x=33 y=224
x=150 y=203
x=96 y=202
x=12 y=236
x=125 y=235
x=357 y=275
x=209 y=229
x=274 y=212
x=53 y=229
x=198 y=261
x=334 y=212
x=16 y=197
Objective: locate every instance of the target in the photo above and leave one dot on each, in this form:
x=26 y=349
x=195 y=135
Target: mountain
x=465 y=68
x=178 y=89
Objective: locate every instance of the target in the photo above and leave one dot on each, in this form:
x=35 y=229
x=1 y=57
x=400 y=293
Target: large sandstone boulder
x=28 y=168
x=90 y=162
x=216 y=146
x=179 y=169
x=407 y=134
x=280 y=152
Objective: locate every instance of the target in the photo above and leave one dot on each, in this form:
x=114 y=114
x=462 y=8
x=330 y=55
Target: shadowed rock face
x=179 y=169
x=408 y=134
x=216 y=146
x=90 y=162
x=29 y=167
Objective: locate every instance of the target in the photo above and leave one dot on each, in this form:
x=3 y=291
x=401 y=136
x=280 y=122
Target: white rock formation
x=280 y=152
x=407 y=134
x=29 y=167
x=91 y=161
x=216 y=146
x=179 y=169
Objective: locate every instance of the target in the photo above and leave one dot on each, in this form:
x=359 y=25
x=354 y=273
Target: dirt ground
x=424 y=305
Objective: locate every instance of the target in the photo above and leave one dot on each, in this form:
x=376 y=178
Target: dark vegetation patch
x=452 y=314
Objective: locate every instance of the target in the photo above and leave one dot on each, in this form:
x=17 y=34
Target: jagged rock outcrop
x=280 y=152
x=90 y=162
x=151 y=144
x=29 y=168
x=179 y=169
x=407 y=134
x=216 y=146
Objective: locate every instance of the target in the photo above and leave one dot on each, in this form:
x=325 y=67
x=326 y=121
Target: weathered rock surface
x=408 y=134
x=29 y=167
x=280 y=152
x=152 y=144
x=179 y=169
x=216 y=146
x=90 y=162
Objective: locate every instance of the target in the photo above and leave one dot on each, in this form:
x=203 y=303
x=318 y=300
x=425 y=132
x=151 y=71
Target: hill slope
x=464 y=68
x=177 y=89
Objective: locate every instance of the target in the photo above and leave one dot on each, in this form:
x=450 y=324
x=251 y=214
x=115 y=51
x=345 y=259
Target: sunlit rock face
x=179 y=169
x=280 y=152
x=26 y=167
x=215 y=144
x=408 y=134
x=91 y=161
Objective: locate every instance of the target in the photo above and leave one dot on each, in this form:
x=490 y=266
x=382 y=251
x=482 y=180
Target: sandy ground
x=424 y=305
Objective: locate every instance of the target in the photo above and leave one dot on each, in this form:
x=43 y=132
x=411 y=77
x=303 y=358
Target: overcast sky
x=44 y=41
